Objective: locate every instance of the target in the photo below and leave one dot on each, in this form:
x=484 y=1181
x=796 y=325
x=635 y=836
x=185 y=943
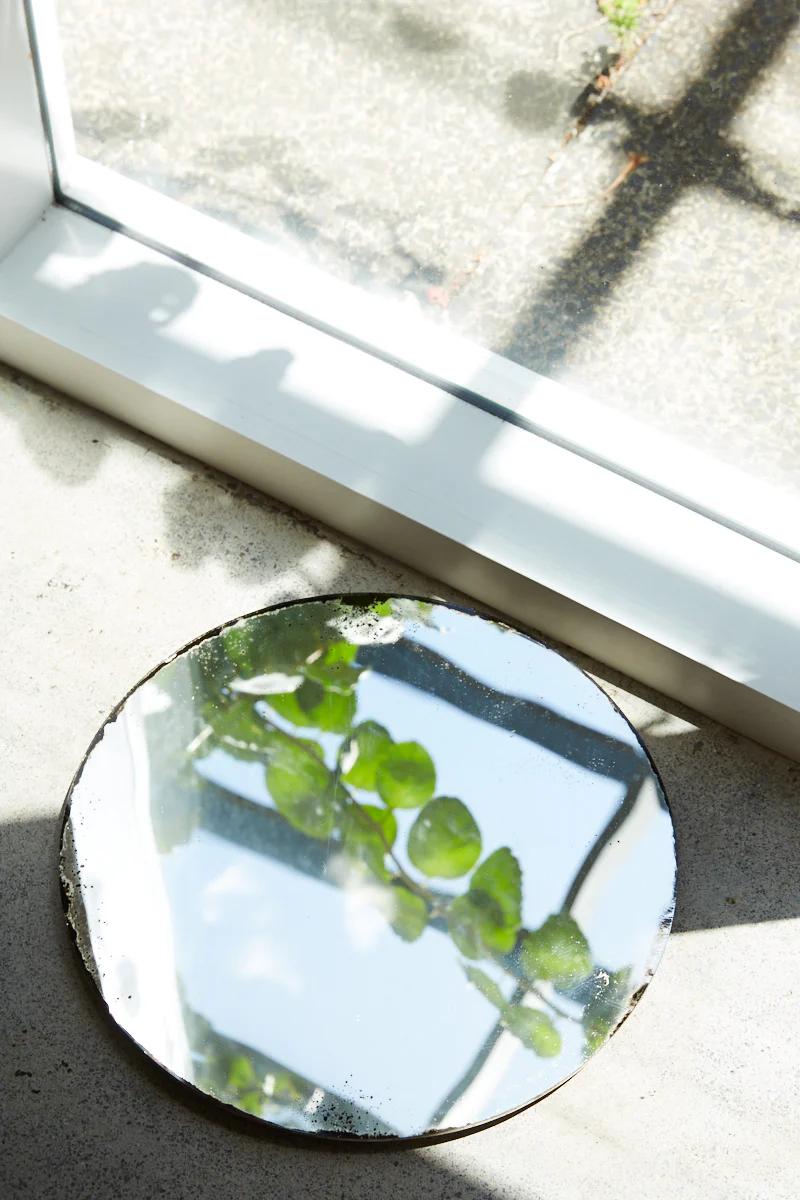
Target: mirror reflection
x=369 y=867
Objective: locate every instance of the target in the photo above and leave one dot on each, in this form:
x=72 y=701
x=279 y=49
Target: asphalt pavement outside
x=420 y=148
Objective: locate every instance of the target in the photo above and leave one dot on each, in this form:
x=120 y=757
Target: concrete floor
x=116 y=551
x=407 y=147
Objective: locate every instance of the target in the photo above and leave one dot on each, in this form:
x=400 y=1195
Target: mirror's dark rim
x=218 y=1108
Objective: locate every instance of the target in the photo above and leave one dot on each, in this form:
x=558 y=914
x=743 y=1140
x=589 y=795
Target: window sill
x=559 y=542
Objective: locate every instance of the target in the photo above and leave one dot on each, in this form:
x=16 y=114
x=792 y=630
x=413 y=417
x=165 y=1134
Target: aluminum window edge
x=26 y=185
x=51 y=86
x=476 y=503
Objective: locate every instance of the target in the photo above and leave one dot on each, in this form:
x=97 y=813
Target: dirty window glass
x=606 y=191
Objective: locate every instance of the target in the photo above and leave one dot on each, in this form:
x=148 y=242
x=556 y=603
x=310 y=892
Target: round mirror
x=369 y=867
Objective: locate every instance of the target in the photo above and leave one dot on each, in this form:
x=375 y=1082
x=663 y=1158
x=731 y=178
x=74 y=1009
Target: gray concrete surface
x=115 y=552
x=407 y=146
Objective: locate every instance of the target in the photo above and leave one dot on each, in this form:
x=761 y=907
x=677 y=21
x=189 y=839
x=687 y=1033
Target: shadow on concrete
x=686 y=147
x=423 y=34
x=536 y=100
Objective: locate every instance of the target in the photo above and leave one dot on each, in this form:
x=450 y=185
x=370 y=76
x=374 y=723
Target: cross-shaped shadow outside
x=687 y=146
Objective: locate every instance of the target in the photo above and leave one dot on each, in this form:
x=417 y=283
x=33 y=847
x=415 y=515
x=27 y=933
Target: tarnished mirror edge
x=75 y=916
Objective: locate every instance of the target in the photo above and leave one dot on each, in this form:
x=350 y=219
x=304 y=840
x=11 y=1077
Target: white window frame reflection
x=576 y=520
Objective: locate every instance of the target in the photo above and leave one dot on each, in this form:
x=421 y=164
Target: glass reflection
x=369 y=868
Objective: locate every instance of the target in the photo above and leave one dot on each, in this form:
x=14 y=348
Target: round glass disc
x=369 y=867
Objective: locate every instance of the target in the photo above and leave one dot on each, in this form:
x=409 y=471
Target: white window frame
x=544 y=505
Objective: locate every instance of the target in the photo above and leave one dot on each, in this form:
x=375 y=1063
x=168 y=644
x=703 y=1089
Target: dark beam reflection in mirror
x=368 y=867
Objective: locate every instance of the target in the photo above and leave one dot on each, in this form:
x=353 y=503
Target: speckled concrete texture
x=417 y=147
x=115 y=552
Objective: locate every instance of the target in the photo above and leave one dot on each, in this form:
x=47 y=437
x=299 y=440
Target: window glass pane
x=640 y=241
